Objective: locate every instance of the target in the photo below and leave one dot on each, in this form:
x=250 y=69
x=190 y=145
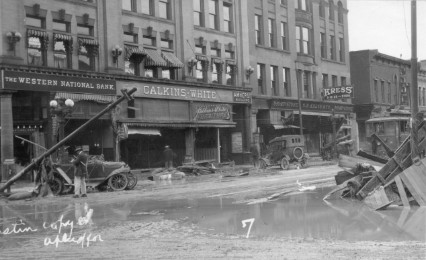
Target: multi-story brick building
x=184 y=57
x=297 y=49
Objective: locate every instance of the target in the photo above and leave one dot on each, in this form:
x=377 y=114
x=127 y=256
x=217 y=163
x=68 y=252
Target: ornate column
x=6 y=136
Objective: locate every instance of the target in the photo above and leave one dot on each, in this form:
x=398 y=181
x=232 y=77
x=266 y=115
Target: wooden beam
x=401 y=191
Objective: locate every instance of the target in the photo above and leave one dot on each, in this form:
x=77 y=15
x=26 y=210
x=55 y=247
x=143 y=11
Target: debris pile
x=401 y=180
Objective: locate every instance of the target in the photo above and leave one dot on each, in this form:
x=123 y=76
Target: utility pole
x=414 y=85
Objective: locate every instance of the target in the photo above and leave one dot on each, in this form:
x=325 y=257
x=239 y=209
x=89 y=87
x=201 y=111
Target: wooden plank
x=351 y=161
x=415 y=180
x=377 y=198
x=403 y=217
x=401 y=191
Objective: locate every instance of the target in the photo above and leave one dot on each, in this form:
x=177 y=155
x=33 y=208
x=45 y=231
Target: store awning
x=62 y=37
x=142 y=131
x=154 y=59
x=36 y=33
x=172 y=60
x=169 y=124
x=87 y=41
x=217 y=61
x=201 y=57
x=391 y=118
x=133 y=50
x=277 y=127
x=78 y=97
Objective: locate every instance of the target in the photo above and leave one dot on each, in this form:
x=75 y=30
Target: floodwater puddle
x=301 y=215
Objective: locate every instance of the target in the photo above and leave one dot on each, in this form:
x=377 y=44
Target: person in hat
x=80 y=172
x=168 y=157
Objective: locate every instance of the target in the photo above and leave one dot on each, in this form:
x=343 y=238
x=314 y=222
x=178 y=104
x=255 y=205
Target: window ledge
x=205 y=29
x=333 y=61
x=273 y=49
x=147 y=16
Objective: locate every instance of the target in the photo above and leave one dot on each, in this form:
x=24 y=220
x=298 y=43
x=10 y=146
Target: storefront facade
x=28 y=95
x=198 y=123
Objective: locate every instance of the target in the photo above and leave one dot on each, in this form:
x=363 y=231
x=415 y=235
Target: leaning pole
x=126 y=95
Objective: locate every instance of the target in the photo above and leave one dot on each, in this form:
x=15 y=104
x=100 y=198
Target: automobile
x=284 y=150
x=102 y=175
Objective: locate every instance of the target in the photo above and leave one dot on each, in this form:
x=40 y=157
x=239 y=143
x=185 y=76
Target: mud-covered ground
x=201 y=218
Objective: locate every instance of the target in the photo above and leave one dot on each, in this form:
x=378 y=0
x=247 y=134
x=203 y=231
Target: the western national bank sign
x=56 y=83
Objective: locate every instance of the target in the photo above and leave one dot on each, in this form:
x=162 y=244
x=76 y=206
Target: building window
x=166 y=44
x=424 y=97
x=284 y=35
x=340 y=12
x=198 y=12
x=334 y=81
x=129 y=37
x=342 y=49
x=217 y=67
x=382 y=89
x=213 y=14
x=301 y=5
x=283 y=2
x=84 y=30
x=302 y=40
x=389 y=92
x=331 y=10
x=62 y=50
x=274 y=80
x=88 y=49
x=215 y=52
x=343 y=81
x=324 y=81
x=149 y=41
x=35 y=22
x=147 y=6
x=332 y=47
x=164 y=9
x=227 y=18
x=128 y=5
x=229 y=54
x=271 y=32
x=61 y=26
x=261 y=78
x=323 y=42
x=199 y=72
x=168 y=73
x=231 y=70
x=286 y=82
x=376 y=91
x=395 y=84
x=306 y=84
x=36 y=51
x=258 y=28
x=322 y=9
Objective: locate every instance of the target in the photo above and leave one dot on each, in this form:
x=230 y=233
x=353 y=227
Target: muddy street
x=265 y=215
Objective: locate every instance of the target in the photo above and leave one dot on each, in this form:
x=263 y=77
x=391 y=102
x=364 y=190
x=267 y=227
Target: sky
x=385 y=25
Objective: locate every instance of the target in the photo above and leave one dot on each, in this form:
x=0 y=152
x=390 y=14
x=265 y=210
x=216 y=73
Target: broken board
x=414 y=179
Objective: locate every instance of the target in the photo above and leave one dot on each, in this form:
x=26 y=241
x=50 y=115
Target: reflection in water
x=301 y=215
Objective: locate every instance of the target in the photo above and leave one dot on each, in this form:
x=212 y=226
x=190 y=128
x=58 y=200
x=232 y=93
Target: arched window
x=331 y=10
x=340 y=12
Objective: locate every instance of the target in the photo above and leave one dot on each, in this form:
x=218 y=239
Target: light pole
x=60 y=109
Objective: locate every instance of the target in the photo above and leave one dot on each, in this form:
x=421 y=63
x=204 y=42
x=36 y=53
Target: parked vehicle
x=102 y=175
x=284 y=150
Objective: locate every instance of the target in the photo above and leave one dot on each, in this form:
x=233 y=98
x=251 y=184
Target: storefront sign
x=338 y=92
x=237 y=142
x=183 y=92
x=242 y=97
x=290 y=104
x=212 y=112
x=56 y=83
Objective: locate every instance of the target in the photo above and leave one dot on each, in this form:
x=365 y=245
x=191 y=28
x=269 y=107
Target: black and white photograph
x=213 y=129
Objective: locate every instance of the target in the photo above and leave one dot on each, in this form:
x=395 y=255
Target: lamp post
x=60 y=109
x=13 y=37
x=249 y=71
x=191 y=63
x=116 y=52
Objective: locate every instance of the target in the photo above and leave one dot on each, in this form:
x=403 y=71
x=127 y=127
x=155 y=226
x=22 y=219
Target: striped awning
x=154 y=59
x=37 y=33
x=172 y=60
x=62 y=37
x=92 y=97
x=201 y=57
x=87 y=41
x=133 y=50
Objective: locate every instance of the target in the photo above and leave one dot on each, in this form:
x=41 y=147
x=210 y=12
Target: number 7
x=251 y=220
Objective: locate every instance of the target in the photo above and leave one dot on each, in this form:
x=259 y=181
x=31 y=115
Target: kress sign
x=338 y=92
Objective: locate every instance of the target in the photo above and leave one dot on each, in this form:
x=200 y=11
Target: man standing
x=80 y=172
x=168 y=157
x=255 y=155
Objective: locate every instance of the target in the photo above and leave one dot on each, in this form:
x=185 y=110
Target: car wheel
x=284 y=164
x=118 y=182
x=56 y=185
x=132 y=181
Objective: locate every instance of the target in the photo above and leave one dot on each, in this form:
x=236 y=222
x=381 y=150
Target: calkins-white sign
x=338 y=92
